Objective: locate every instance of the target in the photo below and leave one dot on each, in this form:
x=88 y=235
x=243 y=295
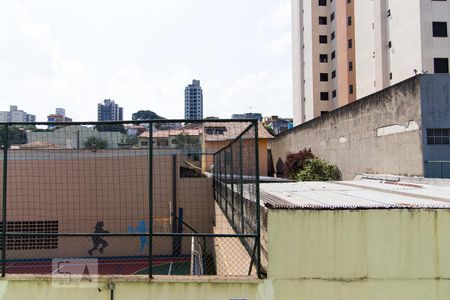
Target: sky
x=142 y=53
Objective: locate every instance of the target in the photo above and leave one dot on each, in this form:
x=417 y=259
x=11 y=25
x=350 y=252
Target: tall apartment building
x=193 y=101
x=16 y=115
x=344 y=50
x=109 y=111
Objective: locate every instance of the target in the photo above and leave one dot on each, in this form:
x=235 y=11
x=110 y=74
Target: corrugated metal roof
x=352 y=195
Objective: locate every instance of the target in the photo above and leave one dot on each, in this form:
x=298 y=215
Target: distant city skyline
x=49 y=58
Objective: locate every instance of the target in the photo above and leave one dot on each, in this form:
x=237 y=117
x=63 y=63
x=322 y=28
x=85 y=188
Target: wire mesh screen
x=236 y=188
x=140 y=198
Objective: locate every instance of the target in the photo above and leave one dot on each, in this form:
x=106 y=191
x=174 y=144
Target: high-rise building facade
x=109 y=111
x=344 y=50
x=16 y=115
x=193 y=101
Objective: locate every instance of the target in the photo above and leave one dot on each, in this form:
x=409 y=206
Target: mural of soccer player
x=98 y=242
x=140 y=228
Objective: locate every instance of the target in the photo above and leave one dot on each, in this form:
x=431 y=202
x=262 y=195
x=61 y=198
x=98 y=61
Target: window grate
x=31 y=242
x=438 y=136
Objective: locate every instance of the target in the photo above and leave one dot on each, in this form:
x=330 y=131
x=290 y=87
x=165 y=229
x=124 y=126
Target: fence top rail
x=154 y=121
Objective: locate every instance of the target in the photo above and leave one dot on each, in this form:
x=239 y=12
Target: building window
x=332 y=35
x=333 y=55
x=323 y=20
x=323 y=76
x=323 y=39
x=440 y=29
x=333 y=94
x=350 y=89
x=390 y=76
x=324 y=96
x=332 y=16
x=349 y=21
x=440 y=65
x=215 y=130
x=438 y=136
x=323 y=58
x=322 y=2
x=350 y=66
x=350 y=43
x=333 y=74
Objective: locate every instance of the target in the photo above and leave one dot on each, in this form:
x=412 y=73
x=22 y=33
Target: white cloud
x=267 y=92
x=71 y=54
x=137 y=90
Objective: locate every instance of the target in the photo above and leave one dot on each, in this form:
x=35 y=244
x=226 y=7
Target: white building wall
x=310 y=47
x=404 y=30
x=365 y=48
x=409 y=29
x=4 y=116
x=438 y=11
x=297 y=59
x=18 y=116
x=393 y=38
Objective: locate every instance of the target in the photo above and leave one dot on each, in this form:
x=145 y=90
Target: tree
x=16 y=135
x=269 y=130
x=317 y=169
x=182 y=140
x=111 y=128
x=146 y=115
x=295 y=161
x=95 y=143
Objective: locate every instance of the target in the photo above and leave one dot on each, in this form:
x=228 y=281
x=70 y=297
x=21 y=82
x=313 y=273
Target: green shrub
x=95 y=144
x=295 y=162
x=317 y=169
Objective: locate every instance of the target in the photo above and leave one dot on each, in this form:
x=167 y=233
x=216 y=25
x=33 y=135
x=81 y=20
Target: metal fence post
x=226 y=184
x=241 y=186
x=232 y=184
x=258 y=219
x=5 y=181
x=150 y=200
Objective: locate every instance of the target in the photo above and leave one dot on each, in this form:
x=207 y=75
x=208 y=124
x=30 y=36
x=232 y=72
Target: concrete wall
x=75 y=137
x=332 y=254
x=131 y=289
x=368 y=254
x=377 y=134
x=435 y=95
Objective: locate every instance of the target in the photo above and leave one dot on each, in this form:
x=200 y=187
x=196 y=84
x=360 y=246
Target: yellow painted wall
x=367 y=254
x=126 y=290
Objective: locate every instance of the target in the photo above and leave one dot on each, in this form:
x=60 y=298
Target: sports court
x=107 y=211
x=104 y=266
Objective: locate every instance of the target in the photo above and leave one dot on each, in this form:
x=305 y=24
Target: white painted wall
x=297 y=60
x=409 y=28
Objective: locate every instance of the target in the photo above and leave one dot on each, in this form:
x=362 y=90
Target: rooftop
x=364 y=194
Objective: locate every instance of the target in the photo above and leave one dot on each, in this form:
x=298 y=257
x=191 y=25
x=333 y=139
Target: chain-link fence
x=236 y=188
x=154 y=197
